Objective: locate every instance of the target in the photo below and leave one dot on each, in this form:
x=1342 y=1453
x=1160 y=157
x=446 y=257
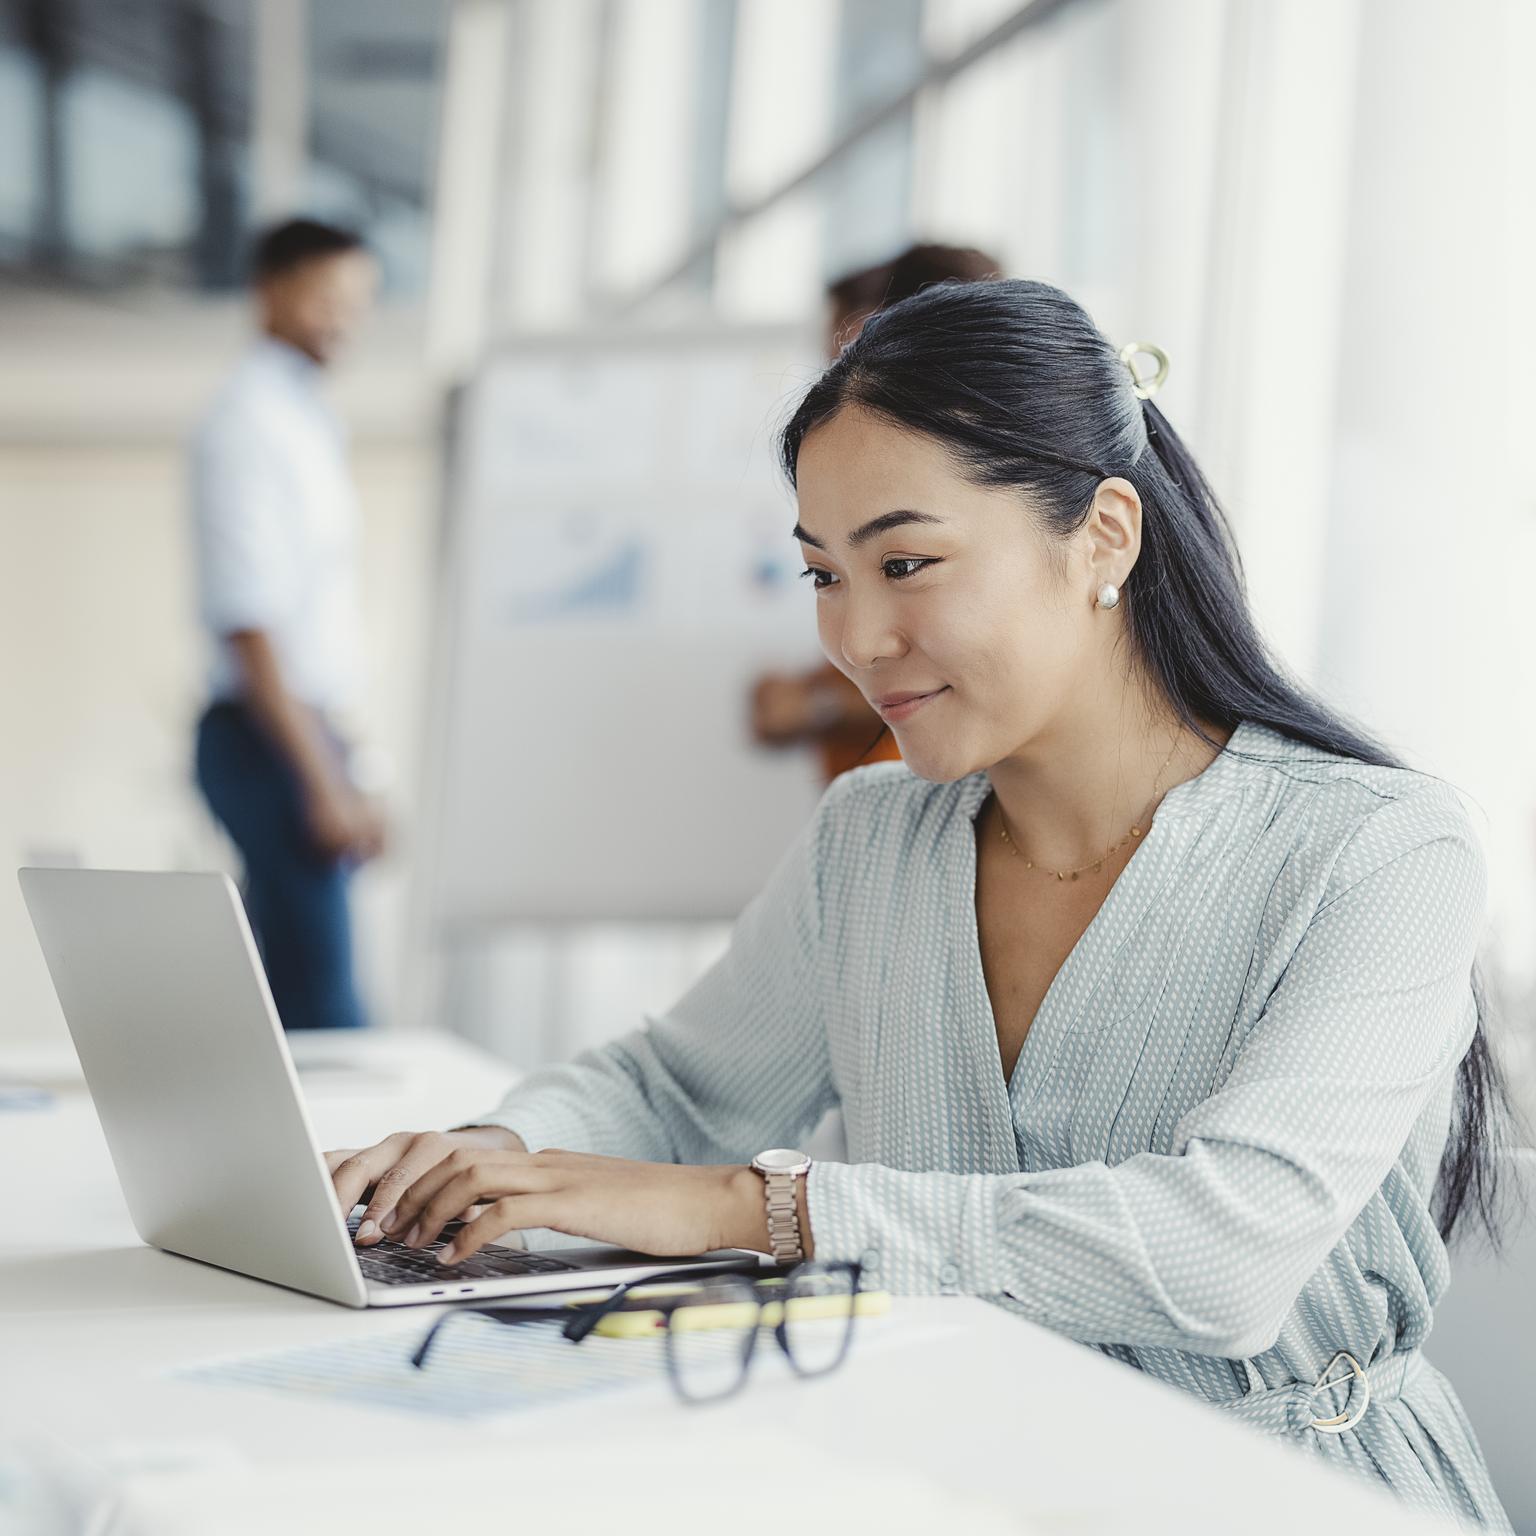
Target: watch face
x=780 y=1160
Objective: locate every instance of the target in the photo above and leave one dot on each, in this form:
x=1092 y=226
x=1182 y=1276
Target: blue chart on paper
x=611 y=585
x=477 y=1368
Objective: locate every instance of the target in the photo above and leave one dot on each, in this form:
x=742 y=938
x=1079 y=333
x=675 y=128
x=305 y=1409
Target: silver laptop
x=170 y=1012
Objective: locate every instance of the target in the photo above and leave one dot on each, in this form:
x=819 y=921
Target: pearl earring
x=1109 y=595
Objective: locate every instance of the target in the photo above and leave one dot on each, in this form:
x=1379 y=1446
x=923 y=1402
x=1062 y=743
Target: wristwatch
x=780 y=1167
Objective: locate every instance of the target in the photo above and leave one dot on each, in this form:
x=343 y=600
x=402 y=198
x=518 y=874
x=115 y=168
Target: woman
x=1145 y=984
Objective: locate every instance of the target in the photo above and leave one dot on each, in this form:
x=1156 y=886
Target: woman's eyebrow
x=875 y=526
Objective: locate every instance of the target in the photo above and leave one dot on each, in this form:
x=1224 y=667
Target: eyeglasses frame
x=581 y=1318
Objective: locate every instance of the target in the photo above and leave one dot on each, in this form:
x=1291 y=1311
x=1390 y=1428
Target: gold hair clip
x=1145 y=386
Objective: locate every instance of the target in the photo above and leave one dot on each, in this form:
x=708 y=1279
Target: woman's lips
x=901 y=706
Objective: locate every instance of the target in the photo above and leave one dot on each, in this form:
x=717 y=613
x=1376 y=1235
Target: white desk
x=960 y=1418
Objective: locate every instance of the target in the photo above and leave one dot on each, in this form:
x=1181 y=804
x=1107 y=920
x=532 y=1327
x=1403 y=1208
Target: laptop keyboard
x=392 y=1263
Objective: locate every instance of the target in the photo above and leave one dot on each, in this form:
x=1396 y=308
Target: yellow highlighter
x=636 y=1320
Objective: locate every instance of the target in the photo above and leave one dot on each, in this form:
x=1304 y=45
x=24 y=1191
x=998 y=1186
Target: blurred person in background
x=276 y=533
x=821 y=707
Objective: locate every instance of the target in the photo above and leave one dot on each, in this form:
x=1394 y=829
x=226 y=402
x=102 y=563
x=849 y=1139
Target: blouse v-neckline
x=1173 y=828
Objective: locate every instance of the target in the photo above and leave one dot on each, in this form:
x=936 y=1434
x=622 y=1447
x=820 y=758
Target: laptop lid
x=168 y=1005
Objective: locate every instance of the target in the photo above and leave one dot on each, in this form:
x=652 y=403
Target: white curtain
x=1368 y=397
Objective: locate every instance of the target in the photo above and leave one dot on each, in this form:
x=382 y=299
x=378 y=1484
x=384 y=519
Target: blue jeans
x=295 y=896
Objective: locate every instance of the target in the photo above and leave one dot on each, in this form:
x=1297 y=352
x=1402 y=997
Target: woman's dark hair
x=1016 y=382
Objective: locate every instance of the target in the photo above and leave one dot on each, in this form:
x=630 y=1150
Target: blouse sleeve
x=1207 y=1247
x=738 y=1064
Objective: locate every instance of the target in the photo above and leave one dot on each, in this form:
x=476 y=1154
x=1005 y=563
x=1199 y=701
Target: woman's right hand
x=384 y=1171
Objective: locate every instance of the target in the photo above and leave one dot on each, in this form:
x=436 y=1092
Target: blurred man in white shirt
x=276 y=534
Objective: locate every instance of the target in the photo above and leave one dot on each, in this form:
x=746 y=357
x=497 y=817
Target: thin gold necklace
x=1109 y=853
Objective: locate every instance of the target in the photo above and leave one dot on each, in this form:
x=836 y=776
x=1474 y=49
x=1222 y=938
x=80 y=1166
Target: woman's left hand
x=656 y=1208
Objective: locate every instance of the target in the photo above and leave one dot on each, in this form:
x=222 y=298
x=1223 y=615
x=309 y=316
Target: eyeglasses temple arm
x=586 y=1317
x=419 y=1359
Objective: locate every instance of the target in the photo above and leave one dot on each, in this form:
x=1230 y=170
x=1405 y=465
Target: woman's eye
x=894 y=568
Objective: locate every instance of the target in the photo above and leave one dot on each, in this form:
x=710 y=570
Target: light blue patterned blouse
x=1214 y=1157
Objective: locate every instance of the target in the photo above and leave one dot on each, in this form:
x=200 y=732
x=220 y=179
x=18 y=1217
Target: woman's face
x=932 y=586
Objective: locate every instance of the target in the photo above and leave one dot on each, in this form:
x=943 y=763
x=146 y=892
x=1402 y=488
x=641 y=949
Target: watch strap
x=784 y=1239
